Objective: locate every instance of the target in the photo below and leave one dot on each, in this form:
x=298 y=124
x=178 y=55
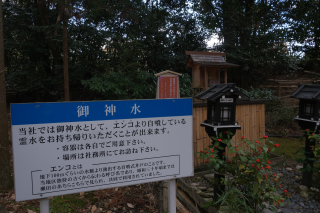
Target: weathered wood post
x=168 y=87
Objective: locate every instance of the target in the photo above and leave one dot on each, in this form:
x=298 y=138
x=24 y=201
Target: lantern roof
x=218 y=90
x=307 y=91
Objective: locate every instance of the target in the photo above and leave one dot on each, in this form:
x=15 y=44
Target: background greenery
x=116 y=47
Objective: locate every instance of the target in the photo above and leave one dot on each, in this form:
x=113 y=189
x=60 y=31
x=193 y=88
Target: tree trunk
x=65 y=54
x=6 y=182
x=56 y=54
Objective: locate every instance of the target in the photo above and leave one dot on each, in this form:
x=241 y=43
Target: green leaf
x=242 y=166
x=301 y=161
x=308 y=167
x=255 y=188
x=312 y=159
x=207 y=204
x=301 y=138
x=214 y=138
x=252 y=146
x=243 y=159
x=259 y=179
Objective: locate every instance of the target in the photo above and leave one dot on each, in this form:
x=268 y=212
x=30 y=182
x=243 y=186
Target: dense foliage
x=254 y=34
x=248 y=179
x=115 y=47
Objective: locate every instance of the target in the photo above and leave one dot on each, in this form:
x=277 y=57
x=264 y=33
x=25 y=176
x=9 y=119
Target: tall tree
x=6 y=181
x=252 y=36
x=304 y=28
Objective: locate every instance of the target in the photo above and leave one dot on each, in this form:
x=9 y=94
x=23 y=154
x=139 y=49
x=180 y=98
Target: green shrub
x=248 y=177
x=259 y=93
x=279 y=114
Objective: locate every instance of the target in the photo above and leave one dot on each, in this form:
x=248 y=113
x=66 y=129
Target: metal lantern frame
x=221 y=114
x=308 y=118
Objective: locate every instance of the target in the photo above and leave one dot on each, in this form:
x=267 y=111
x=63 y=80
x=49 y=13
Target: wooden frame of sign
x=176 y=86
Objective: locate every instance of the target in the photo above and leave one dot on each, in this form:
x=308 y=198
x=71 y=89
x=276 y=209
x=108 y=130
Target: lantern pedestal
x=307 y=175
x=308 y=118
x=212 y=130
x=312 y=125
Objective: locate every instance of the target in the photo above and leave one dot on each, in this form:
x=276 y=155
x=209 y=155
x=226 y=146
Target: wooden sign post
x=168 y=87
x=168 y=84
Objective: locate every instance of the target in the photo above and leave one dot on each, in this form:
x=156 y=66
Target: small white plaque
x=226 y=100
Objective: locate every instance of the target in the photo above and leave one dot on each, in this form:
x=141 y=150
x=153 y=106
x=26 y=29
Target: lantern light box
x=221 y=101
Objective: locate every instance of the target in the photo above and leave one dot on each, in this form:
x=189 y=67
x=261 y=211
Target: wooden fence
x=250 y=115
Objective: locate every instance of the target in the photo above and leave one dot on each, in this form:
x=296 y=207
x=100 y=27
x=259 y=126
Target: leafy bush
x=279 y=114
x=185 y=85
x=123 y=85
x=259 y=93
x=250 y=181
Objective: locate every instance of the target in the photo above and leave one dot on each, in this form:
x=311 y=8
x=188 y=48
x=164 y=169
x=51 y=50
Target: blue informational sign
x=39 y=113
x=72 y=147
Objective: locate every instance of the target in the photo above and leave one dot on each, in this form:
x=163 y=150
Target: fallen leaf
x=130 y=205
x=150 y=196
x=13 y=196
x=109 y=211
x=81 y=193
x=116 y=189
x=93 y=208
x=16 y=207
x=29 y=211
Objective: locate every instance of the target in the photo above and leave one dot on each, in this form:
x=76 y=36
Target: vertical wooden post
x=225 y=75
x=206 y=79
x=168 y=188
x=279 y=90
x=196 y=76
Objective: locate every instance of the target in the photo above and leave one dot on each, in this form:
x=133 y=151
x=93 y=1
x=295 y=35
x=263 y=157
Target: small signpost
x=168 y=84
x=168 y=87
x=72 y=147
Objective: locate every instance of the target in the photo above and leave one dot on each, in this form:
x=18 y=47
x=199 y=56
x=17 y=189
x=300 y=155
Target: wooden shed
x=206 y=69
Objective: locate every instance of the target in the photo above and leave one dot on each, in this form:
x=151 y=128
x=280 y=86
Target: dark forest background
x=116 y=46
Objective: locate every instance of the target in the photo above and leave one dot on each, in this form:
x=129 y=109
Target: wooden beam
x=225 y=75
x=196 y=76
x=206 y=80
x=311 y=72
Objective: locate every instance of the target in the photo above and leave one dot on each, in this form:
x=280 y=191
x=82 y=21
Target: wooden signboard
x=168 y=87
x=168 y=84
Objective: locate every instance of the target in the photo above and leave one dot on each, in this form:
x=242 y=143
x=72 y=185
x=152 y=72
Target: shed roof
x=307 y=91
x=218 y=90
x=208 y=59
